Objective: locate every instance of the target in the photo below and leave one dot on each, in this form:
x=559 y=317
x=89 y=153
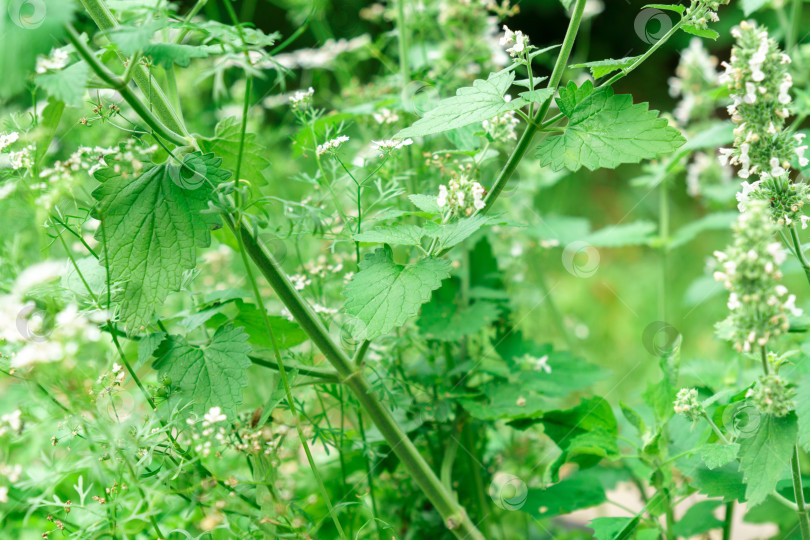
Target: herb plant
x=256 y=289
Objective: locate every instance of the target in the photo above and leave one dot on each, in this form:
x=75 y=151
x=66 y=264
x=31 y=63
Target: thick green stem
x=798 y=492
x=118 y=84
x=454 y=515
x=526 y=139
x=106 y=21
x=728 y=521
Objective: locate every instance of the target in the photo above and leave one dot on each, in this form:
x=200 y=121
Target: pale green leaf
x=153 y=225
x=600 y=68
x=700 y=32
x=453 y=233
x=606 y=130
x=718 y=455
x=765 y=455
x=147 y=346
x=67 y=85
x=638 y=233
x=209 y=376
x=471 y=105
x=537 y=96
x=698 y=519
x=573 y=493
x=383 y=295
x=400 y=234
x=425 y=203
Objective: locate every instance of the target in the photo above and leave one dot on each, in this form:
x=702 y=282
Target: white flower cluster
x=695 y=79
x=302 y=99
x=387 y=146
x=687 y=404
x=759 y=303
x=385 y=116
x=331 y=146
x=503 y=127
x=57 y=60
x=759 y=82
x=461 y=196
x=703 y=172
x=6 y=139
x=11 y=422
x=519 y=43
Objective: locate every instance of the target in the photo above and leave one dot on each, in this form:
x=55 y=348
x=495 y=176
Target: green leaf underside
x=573 y=493
x=765 y=455
x=153 y=228
x=605 y=130
x=210 y=376
x=473 y=104
x=600 y=68
x=383 y=295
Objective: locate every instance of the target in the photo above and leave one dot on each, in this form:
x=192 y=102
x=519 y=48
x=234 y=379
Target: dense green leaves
x=383 y=295
x=483 y=100
x=605 y=130
x=152 y=226
x=444 y=319
x=209 y=376
x=765 y=455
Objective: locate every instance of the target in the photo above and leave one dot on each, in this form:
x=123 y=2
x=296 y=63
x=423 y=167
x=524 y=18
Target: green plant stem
x=795 y=27
x=287 y=391
x=797 y=246
x=106 y=21
x=324 y=376
x=798 y=493
x=118 y=84
x=455 y=517
x=525 y=140
x=728 y=520
x=402 y=34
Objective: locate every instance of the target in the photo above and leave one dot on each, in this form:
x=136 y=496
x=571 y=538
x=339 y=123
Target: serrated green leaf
x=400 y=234
x=668 y=7
x=765 y=455
x=67 y=85
x=453 y=233
x=612 y=528
x=28 y=29
x=574 y=493
x=286 y=333
x=725 y=482
x=698 y=519
x=803 y=410
x=147 y=346
x=225 y=144
x=638 y=233
x=537 y=96
x=606 y=130
x=471 y=105
x=718 y=455
x=585 y=434
x=442 y=319
x=153 y=228
x=383 y=295
x=425 y=203
x=700 y=32
x=600 y=68
x=209 y=376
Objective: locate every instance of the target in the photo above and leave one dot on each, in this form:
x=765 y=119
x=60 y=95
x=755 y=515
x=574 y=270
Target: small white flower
x=331 y=145
x=213 y=416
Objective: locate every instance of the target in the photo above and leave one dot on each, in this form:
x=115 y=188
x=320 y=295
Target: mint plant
x=259 y=289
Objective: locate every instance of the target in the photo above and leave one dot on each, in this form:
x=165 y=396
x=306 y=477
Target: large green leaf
x=573 y=493
x=482 y=101
x=152 y=226
x=225 y=144
x=209 y=376
x=765 y=455
x=383 y=295
x=443 y=319
x=67 y=85
x=605 y=130
x=698 y=519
